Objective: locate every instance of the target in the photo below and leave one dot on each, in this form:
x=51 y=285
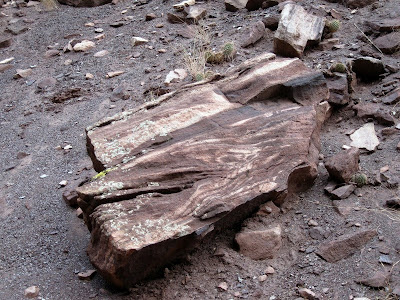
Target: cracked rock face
x=198 y=160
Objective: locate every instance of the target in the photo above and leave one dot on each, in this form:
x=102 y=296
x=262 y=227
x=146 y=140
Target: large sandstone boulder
x=198 y=160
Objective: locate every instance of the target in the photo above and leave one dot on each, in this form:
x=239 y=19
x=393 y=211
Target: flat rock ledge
x=198 y=160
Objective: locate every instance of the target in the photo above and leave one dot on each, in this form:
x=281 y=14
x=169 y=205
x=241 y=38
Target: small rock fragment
x=51 y=53
x=343 y=192
x=223 y=286
x=84 y=46
x=389 y=43
x=307 y=294
x=5 y=42
x=269 y=270
x=379 y=280
x=63 y=183
x=235 y=5
x=32 y=292
x=22 y=73
x=195 y=14
x=136 y=41
x=150 y=16
x=114 y=74
x=101 y=53
x=88 y=275
x=89 y=76
x=262 y=278
x=257 y=31
x=175 y=76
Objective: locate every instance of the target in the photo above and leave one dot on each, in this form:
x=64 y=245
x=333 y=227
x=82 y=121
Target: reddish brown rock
x=343 y=192
x=256 y=32
x=344 y=246
x=379 y=280
x=343 y=165
x=198 y=160
x=385 y=25
x=260 y=244
x=389 y=43
x=368 y=68
x=5 y=42
x=84 y=3
x=375 y=111
x=296 y=30
x=392 y=98
x=338 y=88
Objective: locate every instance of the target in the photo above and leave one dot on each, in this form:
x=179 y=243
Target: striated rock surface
x=198 y=160
x=296 y=30
x=84 y=3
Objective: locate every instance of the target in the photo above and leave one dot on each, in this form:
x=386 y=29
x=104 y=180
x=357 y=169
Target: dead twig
x=369 y=40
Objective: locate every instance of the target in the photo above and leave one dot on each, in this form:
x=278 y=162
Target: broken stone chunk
x=343 y=165
x=368 y=68
x=257 y=31
x=32 y=292
x=389 y=43
x=343 y=192
x=344 y=246
x=365 y=137
x=260 y=244
x=296 y=30
x=87 y=275
x=379 y=280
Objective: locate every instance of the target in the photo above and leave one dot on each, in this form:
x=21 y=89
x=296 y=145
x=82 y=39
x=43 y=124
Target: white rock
x=136 y=41
x=180 y=6
x=114 y=74
x=7 y=60
x=365 y=137
x=32 y=292
x=223 y=286
x=89 y=76
x=174 y=76
x=63 y=183
x=83 y=46
x=43 y=176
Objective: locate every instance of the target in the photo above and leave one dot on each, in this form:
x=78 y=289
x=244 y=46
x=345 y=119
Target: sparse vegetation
x=50 y=4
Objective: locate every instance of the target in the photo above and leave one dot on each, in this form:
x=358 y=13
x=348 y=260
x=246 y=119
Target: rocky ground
x=52 y=89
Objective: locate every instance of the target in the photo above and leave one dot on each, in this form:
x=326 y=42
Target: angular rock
x=392 y=98
x=150 y=16
x=271 y=22
x=296 y=30
x=51 y=53
x=5 y=67
x=375 y=111
x=32 y=292
x=368 y=68
x=365 y=137
x=385 y=25
x=257 y=31
x=196 y=161
x=175 y=18
x=343 y=192
x=87 y=275
x=195 y=13
x=84 y=3
x=344 y=246
x=17 y=28
x=235 y=5
x=379 y=280
x=343 y=165
x=328 y=44
x=101 y=53
x=308 y=294
x=338 y=89
x=23 y=73
x=389 y=43
x=4 y=43
x=136 y=41
x=175 y=76
x=260 y=244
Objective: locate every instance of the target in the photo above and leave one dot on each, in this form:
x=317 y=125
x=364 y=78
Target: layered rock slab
x=198 y=160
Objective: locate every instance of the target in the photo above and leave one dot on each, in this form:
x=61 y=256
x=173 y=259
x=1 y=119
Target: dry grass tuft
x=194 y=56
x=50 y=4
